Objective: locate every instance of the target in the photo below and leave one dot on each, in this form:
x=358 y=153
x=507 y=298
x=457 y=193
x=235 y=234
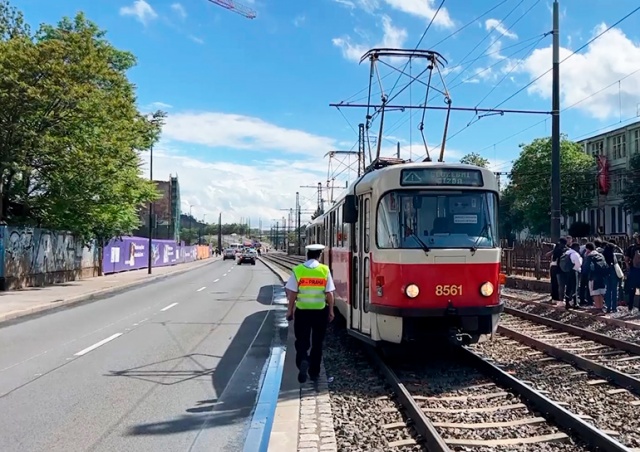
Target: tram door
x=360 y=268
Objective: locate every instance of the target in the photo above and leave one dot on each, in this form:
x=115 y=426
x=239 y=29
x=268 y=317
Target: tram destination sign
x=444 y=177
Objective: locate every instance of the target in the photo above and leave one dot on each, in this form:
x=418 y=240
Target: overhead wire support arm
x=429 y=107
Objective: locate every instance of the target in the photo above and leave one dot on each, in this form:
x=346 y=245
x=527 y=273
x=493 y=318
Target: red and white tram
x=414 y=252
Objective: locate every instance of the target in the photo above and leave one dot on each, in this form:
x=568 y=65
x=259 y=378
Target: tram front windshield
x=451 y=219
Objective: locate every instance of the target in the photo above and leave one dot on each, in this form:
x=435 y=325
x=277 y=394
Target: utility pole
x=277 y=234
x=361 y=164
x=298 y=223
x=398 y=150
x=220 y=231
x=150 y=245
x=555 y=129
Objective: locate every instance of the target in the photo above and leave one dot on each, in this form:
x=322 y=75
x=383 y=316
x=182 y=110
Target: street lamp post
x=149 y=251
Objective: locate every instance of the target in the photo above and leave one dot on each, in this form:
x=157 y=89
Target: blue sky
x=249 y=120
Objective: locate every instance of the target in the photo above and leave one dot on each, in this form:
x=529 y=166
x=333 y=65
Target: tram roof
x=366 y=182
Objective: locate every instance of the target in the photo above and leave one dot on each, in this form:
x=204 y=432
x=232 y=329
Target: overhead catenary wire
x=549 y=70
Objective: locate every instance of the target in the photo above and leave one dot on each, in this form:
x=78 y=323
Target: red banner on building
x=603 y=174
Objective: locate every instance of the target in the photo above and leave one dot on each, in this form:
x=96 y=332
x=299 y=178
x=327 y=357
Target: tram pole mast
x=555 y=129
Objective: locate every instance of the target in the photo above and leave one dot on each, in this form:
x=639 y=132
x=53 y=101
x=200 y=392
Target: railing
x=528 y=258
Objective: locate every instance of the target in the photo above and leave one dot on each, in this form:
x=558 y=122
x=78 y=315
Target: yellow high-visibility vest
x=312 y=283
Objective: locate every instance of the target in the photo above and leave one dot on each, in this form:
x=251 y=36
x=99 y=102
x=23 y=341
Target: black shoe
x=302 y=374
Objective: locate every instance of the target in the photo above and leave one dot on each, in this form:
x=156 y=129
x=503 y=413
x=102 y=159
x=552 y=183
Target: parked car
x=249 y=256
x=229 y=253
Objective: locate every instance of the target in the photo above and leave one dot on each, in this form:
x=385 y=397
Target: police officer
x=310 y=290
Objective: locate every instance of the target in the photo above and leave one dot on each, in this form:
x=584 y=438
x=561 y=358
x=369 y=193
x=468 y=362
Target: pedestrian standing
x=632 y=257
x=554 y=270
x=310 y=294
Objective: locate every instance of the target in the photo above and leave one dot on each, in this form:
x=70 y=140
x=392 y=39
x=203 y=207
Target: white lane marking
x=98 y=344
x=201 y=289
x=141 y=321
x=217 y=280
x=168 y=307
x=224 y=275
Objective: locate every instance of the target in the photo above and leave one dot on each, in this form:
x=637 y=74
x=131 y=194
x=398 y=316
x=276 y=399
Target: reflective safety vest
x=312 y=283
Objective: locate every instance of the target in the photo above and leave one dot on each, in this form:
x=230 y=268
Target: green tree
x=531 y=180
x=630 y=193
x=475 y=159
x=511 y=218
x=71 y=134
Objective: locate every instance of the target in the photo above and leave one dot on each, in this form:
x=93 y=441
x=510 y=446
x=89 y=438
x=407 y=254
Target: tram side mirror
x=349 y=210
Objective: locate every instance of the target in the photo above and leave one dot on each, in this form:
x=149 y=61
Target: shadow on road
x=234 y=378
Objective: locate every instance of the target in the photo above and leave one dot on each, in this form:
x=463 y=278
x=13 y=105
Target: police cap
x=315 y=247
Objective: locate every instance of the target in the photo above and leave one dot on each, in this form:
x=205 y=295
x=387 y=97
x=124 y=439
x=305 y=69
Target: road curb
x=94 y=295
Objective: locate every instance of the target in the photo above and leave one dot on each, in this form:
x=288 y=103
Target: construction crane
x=236 y=7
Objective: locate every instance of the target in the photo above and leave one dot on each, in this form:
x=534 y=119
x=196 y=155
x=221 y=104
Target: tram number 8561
x=448 y=290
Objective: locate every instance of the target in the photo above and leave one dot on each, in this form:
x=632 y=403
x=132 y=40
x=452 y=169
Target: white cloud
x=256 y=191
x=424 y=9
x=179 y=9
x=196 y=39
x=156 y=106
x=495 y=24
x=392 y=37
x=299 y=20
x=222 y=130
x=141 y=10
x=606 y=60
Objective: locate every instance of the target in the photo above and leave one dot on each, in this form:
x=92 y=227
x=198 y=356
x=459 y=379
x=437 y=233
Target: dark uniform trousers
x=310 y=327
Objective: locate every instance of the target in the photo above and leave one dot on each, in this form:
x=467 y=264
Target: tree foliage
x=70 y=133
x=630 y=192
x=531 y=182
x=511 y=219
x=474 y=158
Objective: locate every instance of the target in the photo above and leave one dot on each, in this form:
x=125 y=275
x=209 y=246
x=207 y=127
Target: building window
x=620 y=219
x=613 y=221
x=596 y=148
x=635 y=141
x=618 y=146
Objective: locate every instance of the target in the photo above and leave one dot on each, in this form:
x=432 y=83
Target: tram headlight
x=486 y=289
x=412 y=291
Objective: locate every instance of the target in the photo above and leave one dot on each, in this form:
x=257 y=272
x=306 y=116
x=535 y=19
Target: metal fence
x=529 y=258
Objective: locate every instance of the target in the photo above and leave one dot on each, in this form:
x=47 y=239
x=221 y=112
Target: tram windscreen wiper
x=484 y=230
x=422 y=244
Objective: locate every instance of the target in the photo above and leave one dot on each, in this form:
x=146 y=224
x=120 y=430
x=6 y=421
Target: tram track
x=474 y=404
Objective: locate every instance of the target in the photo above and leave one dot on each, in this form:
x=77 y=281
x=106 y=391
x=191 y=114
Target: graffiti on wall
x=32 y=251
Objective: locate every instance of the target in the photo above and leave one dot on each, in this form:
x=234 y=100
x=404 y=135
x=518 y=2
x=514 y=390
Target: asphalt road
x=172 y=366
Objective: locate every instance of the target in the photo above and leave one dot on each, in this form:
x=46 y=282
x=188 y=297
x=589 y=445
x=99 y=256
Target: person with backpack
x=598 y=275
x=632 y=258
x=570 y=264
x=554 y=270
x=613 y=279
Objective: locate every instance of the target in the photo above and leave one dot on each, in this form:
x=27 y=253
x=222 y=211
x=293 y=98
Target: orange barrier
x=204 y=252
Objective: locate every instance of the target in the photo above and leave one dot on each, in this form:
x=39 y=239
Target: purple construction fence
x=132 y=253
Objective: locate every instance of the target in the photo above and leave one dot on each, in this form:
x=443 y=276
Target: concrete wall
x=37 y=257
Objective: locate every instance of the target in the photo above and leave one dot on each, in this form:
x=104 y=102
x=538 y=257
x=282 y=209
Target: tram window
x=367 y=224
x=453 y=219
x=339 y=226
x=333 y=232
x=354 y=283
x=367 y=295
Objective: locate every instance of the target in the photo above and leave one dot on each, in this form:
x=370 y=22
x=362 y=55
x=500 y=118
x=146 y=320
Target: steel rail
x=422 y=424
x=582 y=332
x=609 y=321
x=561 y=416
x=619 y=378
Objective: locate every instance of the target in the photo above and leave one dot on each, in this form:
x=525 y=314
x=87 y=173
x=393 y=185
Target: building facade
x=615 y=149
x=166 y=212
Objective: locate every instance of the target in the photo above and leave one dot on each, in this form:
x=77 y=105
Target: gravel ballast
x=361 y=401
x=603 y=404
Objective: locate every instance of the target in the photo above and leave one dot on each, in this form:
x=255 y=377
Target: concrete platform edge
x=94 y=295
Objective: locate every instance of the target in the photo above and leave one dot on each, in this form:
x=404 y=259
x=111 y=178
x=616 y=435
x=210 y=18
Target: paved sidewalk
x=20 y=303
